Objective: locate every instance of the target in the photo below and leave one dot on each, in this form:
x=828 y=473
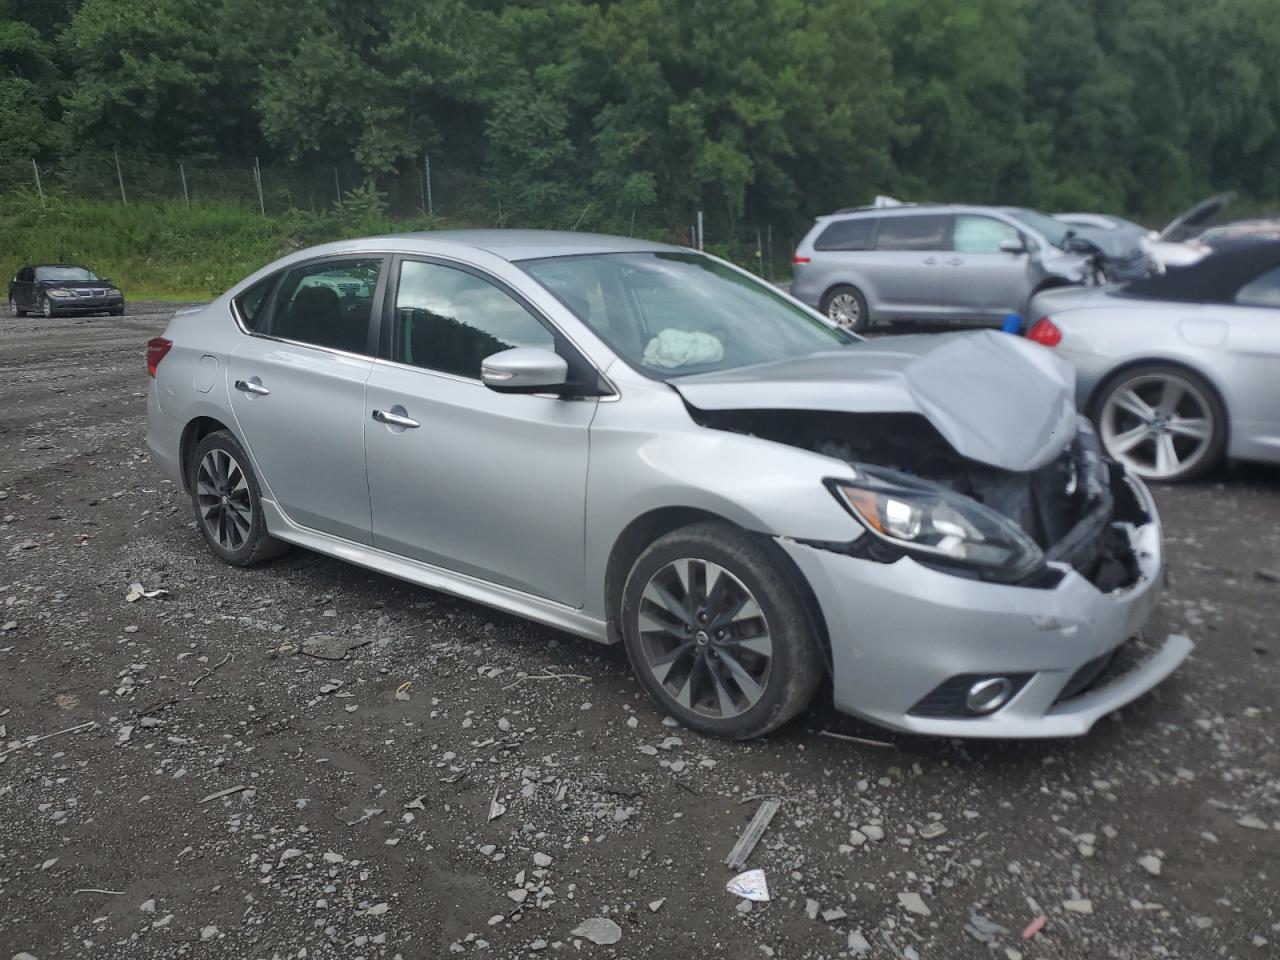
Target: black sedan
x=55 y=289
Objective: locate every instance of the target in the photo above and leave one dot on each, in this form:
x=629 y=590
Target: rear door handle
x=251 y=386
x=930 y=261
x=395 y=419
x=955 y=262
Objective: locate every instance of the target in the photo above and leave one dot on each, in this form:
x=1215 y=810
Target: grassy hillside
x=164 y=250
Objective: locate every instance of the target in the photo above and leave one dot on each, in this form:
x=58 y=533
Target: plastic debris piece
x=750 y=885
x=1034 y=927
x=737 y=858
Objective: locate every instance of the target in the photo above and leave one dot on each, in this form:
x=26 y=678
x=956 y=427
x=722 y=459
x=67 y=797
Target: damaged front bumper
x=906 y=637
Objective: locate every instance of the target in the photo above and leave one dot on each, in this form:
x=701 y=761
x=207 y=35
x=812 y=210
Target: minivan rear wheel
x=718 y=632
x=846 y=307
x=227 y=501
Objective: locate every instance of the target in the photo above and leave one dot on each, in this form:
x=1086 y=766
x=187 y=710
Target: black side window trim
x=874 y=222
x=585 y=379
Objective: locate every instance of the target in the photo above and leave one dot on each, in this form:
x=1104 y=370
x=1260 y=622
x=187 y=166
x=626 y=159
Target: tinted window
x=974 y=234
x=450 y=320
x=919 y=232
x=847 y=235
x=252 y=303
x=328 y=304
x=1263 y=291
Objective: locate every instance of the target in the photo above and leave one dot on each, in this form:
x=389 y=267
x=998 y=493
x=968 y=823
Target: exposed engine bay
x=1075 y=507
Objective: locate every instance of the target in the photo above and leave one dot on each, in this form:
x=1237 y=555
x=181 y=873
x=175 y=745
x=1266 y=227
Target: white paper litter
x=749 y=885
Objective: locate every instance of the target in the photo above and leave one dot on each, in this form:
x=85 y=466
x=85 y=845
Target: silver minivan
x=949 y=263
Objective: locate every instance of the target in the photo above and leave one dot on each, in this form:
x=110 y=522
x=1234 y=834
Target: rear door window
x=856 y=234
x=924 y=231
x=251 y=305
x=328 y=304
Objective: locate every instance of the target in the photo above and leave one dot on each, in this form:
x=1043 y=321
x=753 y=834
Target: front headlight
x=58 y=294
x=936 y=523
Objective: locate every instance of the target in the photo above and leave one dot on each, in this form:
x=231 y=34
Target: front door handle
x=955 y=262
x=252 y=386
x=930 y=261
x=395 y=419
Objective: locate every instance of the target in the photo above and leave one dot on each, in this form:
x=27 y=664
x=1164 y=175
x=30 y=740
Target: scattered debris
x=209 y=672
x=1034 y=927
x=136 y=593
x=109 y=893
x=496 y=809
x=87 y=725
x=865 y=741
x=402 y=691
x=224 y=793
x=1151 y=864
x=546 y=674
x=1078 y=906
x=1250 y=822
x=737 y=858
x=749 y=885
x=323 y=646
x=599 y=930
x=914 y=903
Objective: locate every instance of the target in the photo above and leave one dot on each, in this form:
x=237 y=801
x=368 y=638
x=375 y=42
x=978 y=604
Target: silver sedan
x=638 y=443
x=1181 y=370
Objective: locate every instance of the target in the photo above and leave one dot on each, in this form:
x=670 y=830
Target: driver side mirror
x=524 y=370
x=1013 y=246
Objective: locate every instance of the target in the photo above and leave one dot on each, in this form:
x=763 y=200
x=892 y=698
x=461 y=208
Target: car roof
x=515 y=245
x=909 y=208
x=77 y=266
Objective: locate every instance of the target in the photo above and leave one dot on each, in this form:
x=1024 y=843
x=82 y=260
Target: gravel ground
x=214 y=789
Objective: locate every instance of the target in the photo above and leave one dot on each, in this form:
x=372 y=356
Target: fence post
x=337 y=186
x=183 y=174
x=431 y=208
x=768 y=246
x=120 y=177
x=699 y=229
x=764 y=271
x=257 y=179
x=39 y=189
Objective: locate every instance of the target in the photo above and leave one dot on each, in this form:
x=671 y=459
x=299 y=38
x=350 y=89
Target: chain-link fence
x=457 y=196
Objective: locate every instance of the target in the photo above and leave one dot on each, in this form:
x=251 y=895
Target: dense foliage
x=601 y=111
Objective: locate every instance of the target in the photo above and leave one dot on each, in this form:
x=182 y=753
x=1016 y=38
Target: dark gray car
x=953 y=263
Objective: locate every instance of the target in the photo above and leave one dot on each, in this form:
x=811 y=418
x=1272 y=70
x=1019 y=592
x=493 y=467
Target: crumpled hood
x=995 y=398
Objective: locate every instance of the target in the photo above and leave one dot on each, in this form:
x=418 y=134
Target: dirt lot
x=359 y=823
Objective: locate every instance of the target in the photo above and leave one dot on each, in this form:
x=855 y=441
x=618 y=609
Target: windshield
x=64 y=274
x=673 y=314
x=1055 y=231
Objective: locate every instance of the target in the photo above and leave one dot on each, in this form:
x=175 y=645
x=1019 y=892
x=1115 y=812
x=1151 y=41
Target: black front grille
x=947 y=699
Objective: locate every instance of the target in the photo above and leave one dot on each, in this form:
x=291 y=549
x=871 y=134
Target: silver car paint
x=1235 y=348
x=939 y=285
x=941 y=377
x=646 y=454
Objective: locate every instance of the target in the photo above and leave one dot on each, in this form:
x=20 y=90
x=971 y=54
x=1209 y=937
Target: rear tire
x=1162 y=421
x=227 y=501
x=718 y=631
x=846 y=307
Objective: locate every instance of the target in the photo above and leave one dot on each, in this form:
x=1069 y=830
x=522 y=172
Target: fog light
x=989 y=695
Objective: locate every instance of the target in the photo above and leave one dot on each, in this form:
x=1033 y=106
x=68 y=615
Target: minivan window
x=913 y=232
x=975 y=234
x=1055 y=231
x=251 y=304
x=450 y=320
x=847 y=235
x=327 y=304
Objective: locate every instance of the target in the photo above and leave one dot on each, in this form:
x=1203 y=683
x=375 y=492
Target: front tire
x=46 y=306
x=846 y=307
x=227 y=501
x=1164 y=422
x=718 y=632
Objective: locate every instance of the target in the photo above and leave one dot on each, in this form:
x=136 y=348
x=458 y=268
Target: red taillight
x=1045 y=332
x=157 y=347
x=799 y=259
